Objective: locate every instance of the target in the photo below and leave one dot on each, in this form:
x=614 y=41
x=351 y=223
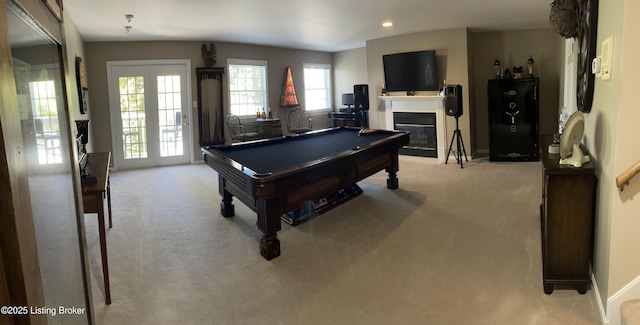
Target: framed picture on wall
x=587 y=32
x=82 y=85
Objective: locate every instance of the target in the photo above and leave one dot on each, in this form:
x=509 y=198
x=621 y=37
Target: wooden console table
x=93 y=194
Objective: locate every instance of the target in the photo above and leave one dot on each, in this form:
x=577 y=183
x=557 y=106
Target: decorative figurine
x=530 y=66
x=496 y=65
x=507 y=73
x=517 y=72
x=208 y=55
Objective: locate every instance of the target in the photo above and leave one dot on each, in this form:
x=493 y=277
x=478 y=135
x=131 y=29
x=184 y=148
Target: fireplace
x=424 y=117
x=422 y=127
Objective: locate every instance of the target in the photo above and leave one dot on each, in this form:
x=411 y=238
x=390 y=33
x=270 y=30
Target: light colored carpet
x=630 y=312
x=450 y=246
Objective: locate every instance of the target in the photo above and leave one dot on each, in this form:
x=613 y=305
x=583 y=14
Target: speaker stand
x=458 y=154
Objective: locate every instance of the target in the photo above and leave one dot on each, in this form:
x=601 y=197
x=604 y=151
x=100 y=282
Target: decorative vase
x=83 y=130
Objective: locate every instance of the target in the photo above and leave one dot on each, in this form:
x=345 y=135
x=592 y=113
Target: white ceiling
x=323 y=25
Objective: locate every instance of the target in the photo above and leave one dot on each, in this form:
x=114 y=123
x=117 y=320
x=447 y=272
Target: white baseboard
x=596 y=291
x=628 y=292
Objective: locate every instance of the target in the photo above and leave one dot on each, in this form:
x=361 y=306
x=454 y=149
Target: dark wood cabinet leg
x=548 y=288
x=582 y=289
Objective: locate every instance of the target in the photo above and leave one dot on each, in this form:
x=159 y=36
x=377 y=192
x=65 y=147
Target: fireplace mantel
x=419 y=104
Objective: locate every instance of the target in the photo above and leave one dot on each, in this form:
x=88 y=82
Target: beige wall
x=625 y=210
x=451 y=50
x=611 y=132
x=98 y=53
x=600 y=138
x=513 y=48
x=74 y=47
x=349 y=68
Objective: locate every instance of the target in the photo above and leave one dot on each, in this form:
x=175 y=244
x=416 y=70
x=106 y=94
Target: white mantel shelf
x=399 y=98
x=419 y=104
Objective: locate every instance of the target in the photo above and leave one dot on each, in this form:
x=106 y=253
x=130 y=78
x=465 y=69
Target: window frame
x=265 y=90
x=328 y=83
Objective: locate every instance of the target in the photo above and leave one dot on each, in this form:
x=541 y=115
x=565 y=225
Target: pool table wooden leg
x=269 y=224
x=226 y=206
x=227 y=209
x=392 y=181
x=270 y=246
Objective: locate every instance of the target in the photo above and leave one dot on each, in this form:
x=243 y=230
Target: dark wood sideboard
x=567 y=216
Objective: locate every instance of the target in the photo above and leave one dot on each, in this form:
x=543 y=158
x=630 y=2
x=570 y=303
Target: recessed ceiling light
x=387 y=24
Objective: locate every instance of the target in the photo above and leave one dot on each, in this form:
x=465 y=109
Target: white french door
x=149 y=112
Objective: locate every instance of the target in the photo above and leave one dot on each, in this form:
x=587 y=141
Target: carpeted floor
x=450 y=246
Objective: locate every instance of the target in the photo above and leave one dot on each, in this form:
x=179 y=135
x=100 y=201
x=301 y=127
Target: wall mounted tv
x=410 y=71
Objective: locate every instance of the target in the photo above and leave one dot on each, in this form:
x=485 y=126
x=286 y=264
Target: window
x=134 y=122
x=317 y=86
x=247 y=86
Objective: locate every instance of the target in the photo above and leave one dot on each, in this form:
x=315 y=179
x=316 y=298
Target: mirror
x=44 y=119
x=587 y=32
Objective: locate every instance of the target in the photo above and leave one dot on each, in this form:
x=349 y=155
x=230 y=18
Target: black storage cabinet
x=513 y=119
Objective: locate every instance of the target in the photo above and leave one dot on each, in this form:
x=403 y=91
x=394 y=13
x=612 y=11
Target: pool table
x=274 y=176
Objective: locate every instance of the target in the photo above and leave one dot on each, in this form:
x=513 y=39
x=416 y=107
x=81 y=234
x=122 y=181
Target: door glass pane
x=132 y=112
x=170 y=116
x=45 y=120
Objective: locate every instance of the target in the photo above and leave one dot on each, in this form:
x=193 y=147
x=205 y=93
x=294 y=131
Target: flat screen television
x=410 y=71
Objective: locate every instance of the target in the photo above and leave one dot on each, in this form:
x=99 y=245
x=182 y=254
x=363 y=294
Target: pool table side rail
x=320 y=178
x=217 y=151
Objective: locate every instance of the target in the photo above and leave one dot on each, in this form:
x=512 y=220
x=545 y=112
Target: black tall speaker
x=361 y=97
x=453 y=100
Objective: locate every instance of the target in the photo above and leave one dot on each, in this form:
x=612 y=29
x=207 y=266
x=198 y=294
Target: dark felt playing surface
x=288 y=152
